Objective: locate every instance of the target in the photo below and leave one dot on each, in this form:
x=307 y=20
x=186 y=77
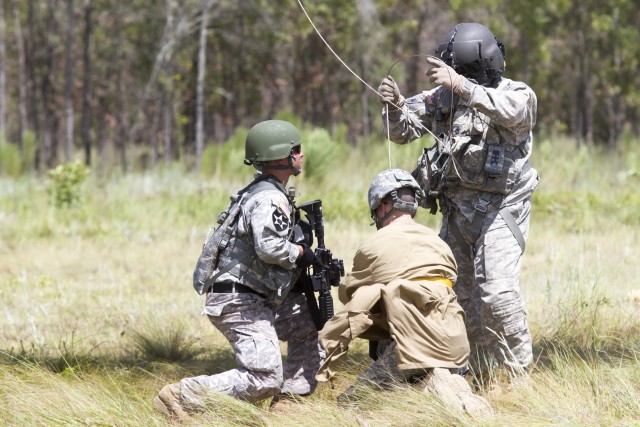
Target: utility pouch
x=431 y=165
x=494 y=163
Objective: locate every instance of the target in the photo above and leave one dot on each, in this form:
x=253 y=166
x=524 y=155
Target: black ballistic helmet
x=473 y=51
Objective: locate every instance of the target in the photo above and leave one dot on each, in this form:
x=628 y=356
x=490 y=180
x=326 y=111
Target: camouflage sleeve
x=268 y=217
x=512 y=104
x=411 y=122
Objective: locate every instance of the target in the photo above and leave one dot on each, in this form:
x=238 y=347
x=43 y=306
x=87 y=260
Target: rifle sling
x=312 y=303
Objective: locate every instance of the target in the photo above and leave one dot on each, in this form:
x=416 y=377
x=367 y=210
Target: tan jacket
x=396 y=290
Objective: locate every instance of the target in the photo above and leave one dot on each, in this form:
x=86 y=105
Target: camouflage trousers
x=488 y=286
x=254 y=330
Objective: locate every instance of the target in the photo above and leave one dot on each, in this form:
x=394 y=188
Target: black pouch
x=428 y=174
x=494 y=163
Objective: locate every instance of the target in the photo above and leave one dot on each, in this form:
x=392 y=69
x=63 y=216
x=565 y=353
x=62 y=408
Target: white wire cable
x=362 y=80
x=331 y=49
x=352 y=72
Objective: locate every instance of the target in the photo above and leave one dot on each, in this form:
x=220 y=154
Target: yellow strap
x=442 y=280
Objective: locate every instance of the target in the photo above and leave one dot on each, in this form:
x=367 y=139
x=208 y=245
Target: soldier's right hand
x=389 y=93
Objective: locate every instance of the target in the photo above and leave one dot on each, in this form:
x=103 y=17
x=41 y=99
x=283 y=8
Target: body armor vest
x=230 y=256
x=479 y=158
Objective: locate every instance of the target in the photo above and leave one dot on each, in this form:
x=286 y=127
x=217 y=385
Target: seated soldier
x=400 y=293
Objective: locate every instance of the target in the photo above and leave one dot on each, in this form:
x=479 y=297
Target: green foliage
x=322 y=154
x=226 y=159
x=66 y=182
x=10 y=159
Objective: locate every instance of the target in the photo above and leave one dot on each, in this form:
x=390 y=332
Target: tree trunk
x=154 y=137
x=123 y=133
x=22 y=76
x=32 y=88
x=165 y=54
x=101 y=136
x=86 y=98
x=3 y=77
x=169 y=112
x=200 y=84
x=584 y=120
x=168 y=129
x=51 y=122
x=68 y=90
x=369 y=37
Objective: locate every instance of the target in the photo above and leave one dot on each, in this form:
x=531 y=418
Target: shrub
x=159 y=341
x=227 y=158
x=323 y=154
x=67 y=179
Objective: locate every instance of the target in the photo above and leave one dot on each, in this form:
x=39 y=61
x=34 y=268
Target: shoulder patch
x=280 y=215
x=280 y=219
x=416 y=99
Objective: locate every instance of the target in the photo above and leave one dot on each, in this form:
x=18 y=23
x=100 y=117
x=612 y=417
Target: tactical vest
x=227 y=252
x=479 y=157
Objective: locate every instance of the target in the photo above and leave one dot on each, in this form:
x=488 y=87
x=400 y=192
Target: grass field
x=99 y=313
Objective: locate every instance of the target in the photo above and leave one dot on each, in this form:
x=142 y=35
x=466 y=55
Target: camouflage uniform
x=491 y=126
x=260 y=258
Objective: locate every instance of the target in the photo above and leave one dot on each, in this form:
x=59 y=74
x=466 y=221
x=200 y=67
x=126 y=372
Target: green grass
x=99 y=312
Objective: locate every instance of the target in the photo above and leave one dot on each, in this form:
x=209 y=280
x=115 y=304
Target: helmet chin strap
x=296 y=171
x=399 y=204
x=379 y=221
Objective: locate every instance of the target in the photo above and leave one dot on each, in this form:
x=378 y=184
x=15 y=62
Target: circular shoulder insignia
x=280 y=220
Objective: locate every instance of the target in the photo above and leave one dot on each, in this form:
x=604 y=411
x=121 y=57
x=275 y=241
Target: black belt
x=231 y=288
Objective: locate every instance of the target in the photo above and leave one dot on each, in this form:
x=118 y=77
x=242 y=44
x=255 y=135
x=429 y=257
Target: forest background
x=131 y=84
x=123 y=127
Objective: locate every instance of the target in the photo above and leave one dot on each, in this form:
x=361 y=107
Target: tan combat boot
x=455 y=390
x=168 y=401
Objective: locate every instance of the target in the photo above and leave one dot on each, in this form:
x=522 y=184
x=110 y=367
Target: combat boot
x=454 y=390
x=168 y=401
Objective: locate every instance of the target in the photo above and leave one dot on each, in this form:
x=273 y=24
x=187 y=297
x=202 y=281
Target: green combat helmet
x=271 y=140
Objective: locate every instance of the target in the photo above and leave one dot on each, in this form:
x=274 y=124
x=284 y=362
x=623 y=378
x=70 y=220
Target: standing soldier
x=484 y=123
x=248 y=292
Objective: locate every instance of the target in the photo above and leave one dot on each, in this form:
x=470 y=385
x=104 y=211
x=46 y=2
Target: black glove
x=306 y=259
x=302 y=233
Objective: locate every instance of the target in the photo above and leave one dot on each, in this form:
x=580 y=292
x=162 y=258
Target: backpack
x=215 y=244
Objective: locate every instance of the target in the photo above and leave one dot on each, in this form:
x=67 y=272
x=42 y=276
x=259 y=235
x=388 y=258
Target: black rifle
x=325 y=271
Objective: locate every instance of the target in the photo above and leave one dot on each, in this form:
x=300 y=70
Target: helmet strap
x=296 y=171
x=397 y=203
x=379 y=221
x=288 y=166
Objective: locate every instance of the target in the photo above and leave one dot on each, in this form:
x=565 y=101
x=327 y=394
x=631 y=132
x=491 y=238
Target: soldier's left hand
x=442 y=74
x=306 y=257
